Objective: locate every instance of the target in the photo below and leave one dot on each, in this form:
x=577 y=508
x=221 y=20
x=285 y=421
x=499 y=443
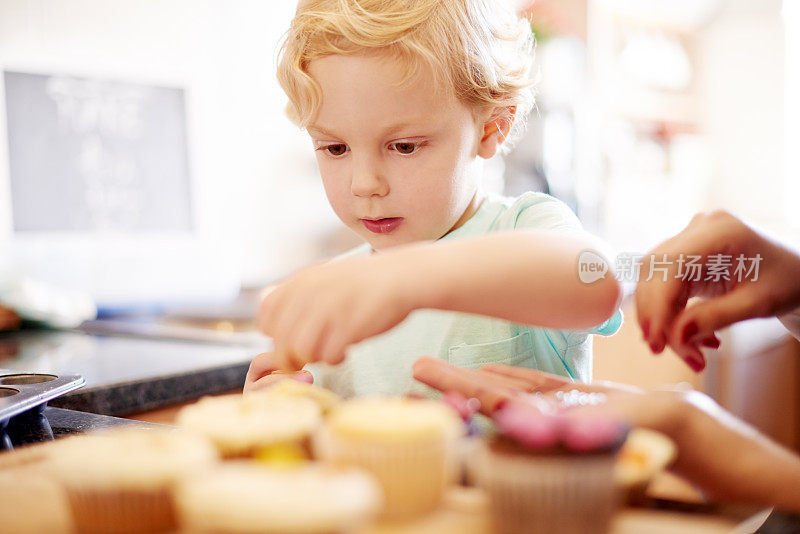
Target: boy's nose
x=368 y=180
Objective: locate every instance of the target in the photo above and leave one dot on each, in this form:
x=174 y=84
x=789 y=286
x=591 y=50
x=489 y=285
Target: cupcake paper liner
x=121 y=511
x=413 y=475
x=550 y=493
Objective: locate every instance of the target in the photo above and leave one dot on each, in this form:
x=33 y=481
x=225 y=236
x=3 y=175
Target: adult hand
x=714 y=238
x=718 y=453
x=494 y=385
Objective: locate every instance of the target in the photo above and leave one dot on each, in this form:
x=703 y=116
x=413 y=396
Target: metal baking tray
x=21 y=392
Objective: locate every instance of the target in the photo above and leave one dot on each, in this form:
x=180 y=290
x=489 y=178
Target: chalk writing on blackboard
x=89 y=155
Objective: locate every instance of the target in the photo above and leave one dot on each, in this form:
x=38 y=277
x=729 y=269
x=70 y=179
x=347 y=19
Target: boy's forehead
x=388 y=129
x=376 y=91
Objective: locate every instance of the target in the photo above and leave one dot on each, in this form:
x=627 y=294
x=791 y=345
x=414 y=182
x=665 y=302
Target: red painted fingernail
x=657 y=346
x=695 y=364
x=711 y=342
x=646 y=329
x=689 y=331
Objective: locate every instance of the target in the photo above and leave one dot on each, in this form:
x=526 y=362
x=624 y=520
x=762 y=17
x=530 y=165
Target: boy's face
x=398 y=162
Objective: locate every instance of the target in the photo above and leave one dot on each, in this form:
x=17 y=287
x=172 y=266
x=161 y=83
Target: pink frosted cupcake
x=549 y=472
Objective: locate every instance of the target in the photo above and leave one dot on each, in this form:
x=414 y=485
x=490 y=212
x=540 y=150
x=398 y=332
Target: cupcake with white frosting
x=408 y=445
x=122 y=480
x=244 y=497
x=244 y=426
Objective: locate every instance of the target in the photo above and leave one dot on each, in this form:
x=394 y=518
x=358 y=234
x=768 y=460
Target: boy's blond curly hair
x=480 y=48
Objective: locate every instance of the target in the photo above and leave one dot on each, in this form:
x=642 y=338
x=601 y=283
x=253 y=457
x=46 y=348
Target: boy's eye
x=405 y=147
x=336 y=150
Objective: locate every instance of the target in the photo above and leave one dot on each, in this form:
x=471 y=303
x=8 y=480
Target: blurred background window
x=648 y=111
x=146 y=160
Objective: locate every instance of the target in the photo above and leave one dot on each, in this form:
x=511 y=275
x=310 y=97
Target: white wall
x=255 y=180
x=791 y=17
x=741 y=75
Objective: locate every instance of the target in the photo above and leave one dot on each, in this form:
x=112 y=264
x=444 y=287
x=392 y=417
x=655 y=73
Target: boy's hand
x=262 y=373
x=318 y=312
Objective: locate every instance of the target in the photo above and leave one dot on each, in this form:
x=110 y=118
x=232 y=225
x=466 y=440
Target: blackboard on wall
x=88 y=155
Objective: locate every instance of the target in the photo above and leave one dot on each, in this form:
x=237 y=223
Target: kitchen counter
x=126 y=374
x=53 y=423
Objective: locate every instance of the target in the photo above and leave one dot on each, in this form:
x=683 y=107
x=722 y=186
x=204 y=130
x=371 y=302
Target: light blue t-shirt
x=382 y=365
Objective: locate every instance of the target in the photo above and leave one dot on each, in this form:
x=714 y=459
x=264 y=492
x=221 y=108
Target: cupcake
x=549 y=472
x=32 y=503
x=407 y=444
x=644 y=454
x=122 y=481
x=244 y=426
x=243 y=497
x=325 y=398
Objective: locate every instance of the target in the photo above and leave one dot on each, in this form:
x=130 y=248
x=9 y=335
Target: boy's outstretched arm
x=524 y=276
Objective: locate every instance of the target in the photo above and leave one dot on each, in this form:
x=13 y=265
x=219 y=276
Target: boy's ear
x=495 y=131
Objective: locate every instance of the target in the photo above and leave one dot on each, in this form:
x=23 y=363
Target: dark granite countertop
x=48 y=423
x=127 y=374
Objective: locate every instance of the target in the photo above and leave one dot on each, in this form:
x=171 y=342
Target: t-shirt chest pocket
x=516 y=350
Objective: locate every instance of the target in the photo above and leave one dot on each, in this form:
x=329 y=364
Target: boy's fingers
x=296 y=361
x=303 y=376
x=291 y=315
x=445 y=377
x=283 y=358
x=263 y=382
x=535 y=380
x=261 y=365
x=268 y=312
x=333 y=347
x=309 y=338
x=277 y=376
x=266 y=291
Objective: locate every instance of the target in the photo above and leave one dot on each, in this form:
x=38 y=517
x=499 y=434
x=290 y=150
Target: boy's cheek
x=340 y=202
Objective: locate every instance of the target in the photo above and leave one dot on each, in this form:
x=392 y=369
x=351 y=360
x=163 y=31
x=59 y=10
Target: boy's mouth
x=382 y=226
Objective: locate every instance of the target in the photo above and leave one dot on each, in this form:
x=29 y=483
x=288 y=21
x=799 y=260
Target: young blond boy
x=403 y=100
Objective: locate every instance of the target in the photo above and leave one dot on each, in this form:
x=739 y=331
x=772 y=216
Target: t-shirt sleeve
x=363 y=249
x=544 y=212
x=610 y=327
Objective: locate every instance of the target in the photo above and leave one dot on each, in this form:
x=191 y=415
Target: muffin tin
x=23 y=396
